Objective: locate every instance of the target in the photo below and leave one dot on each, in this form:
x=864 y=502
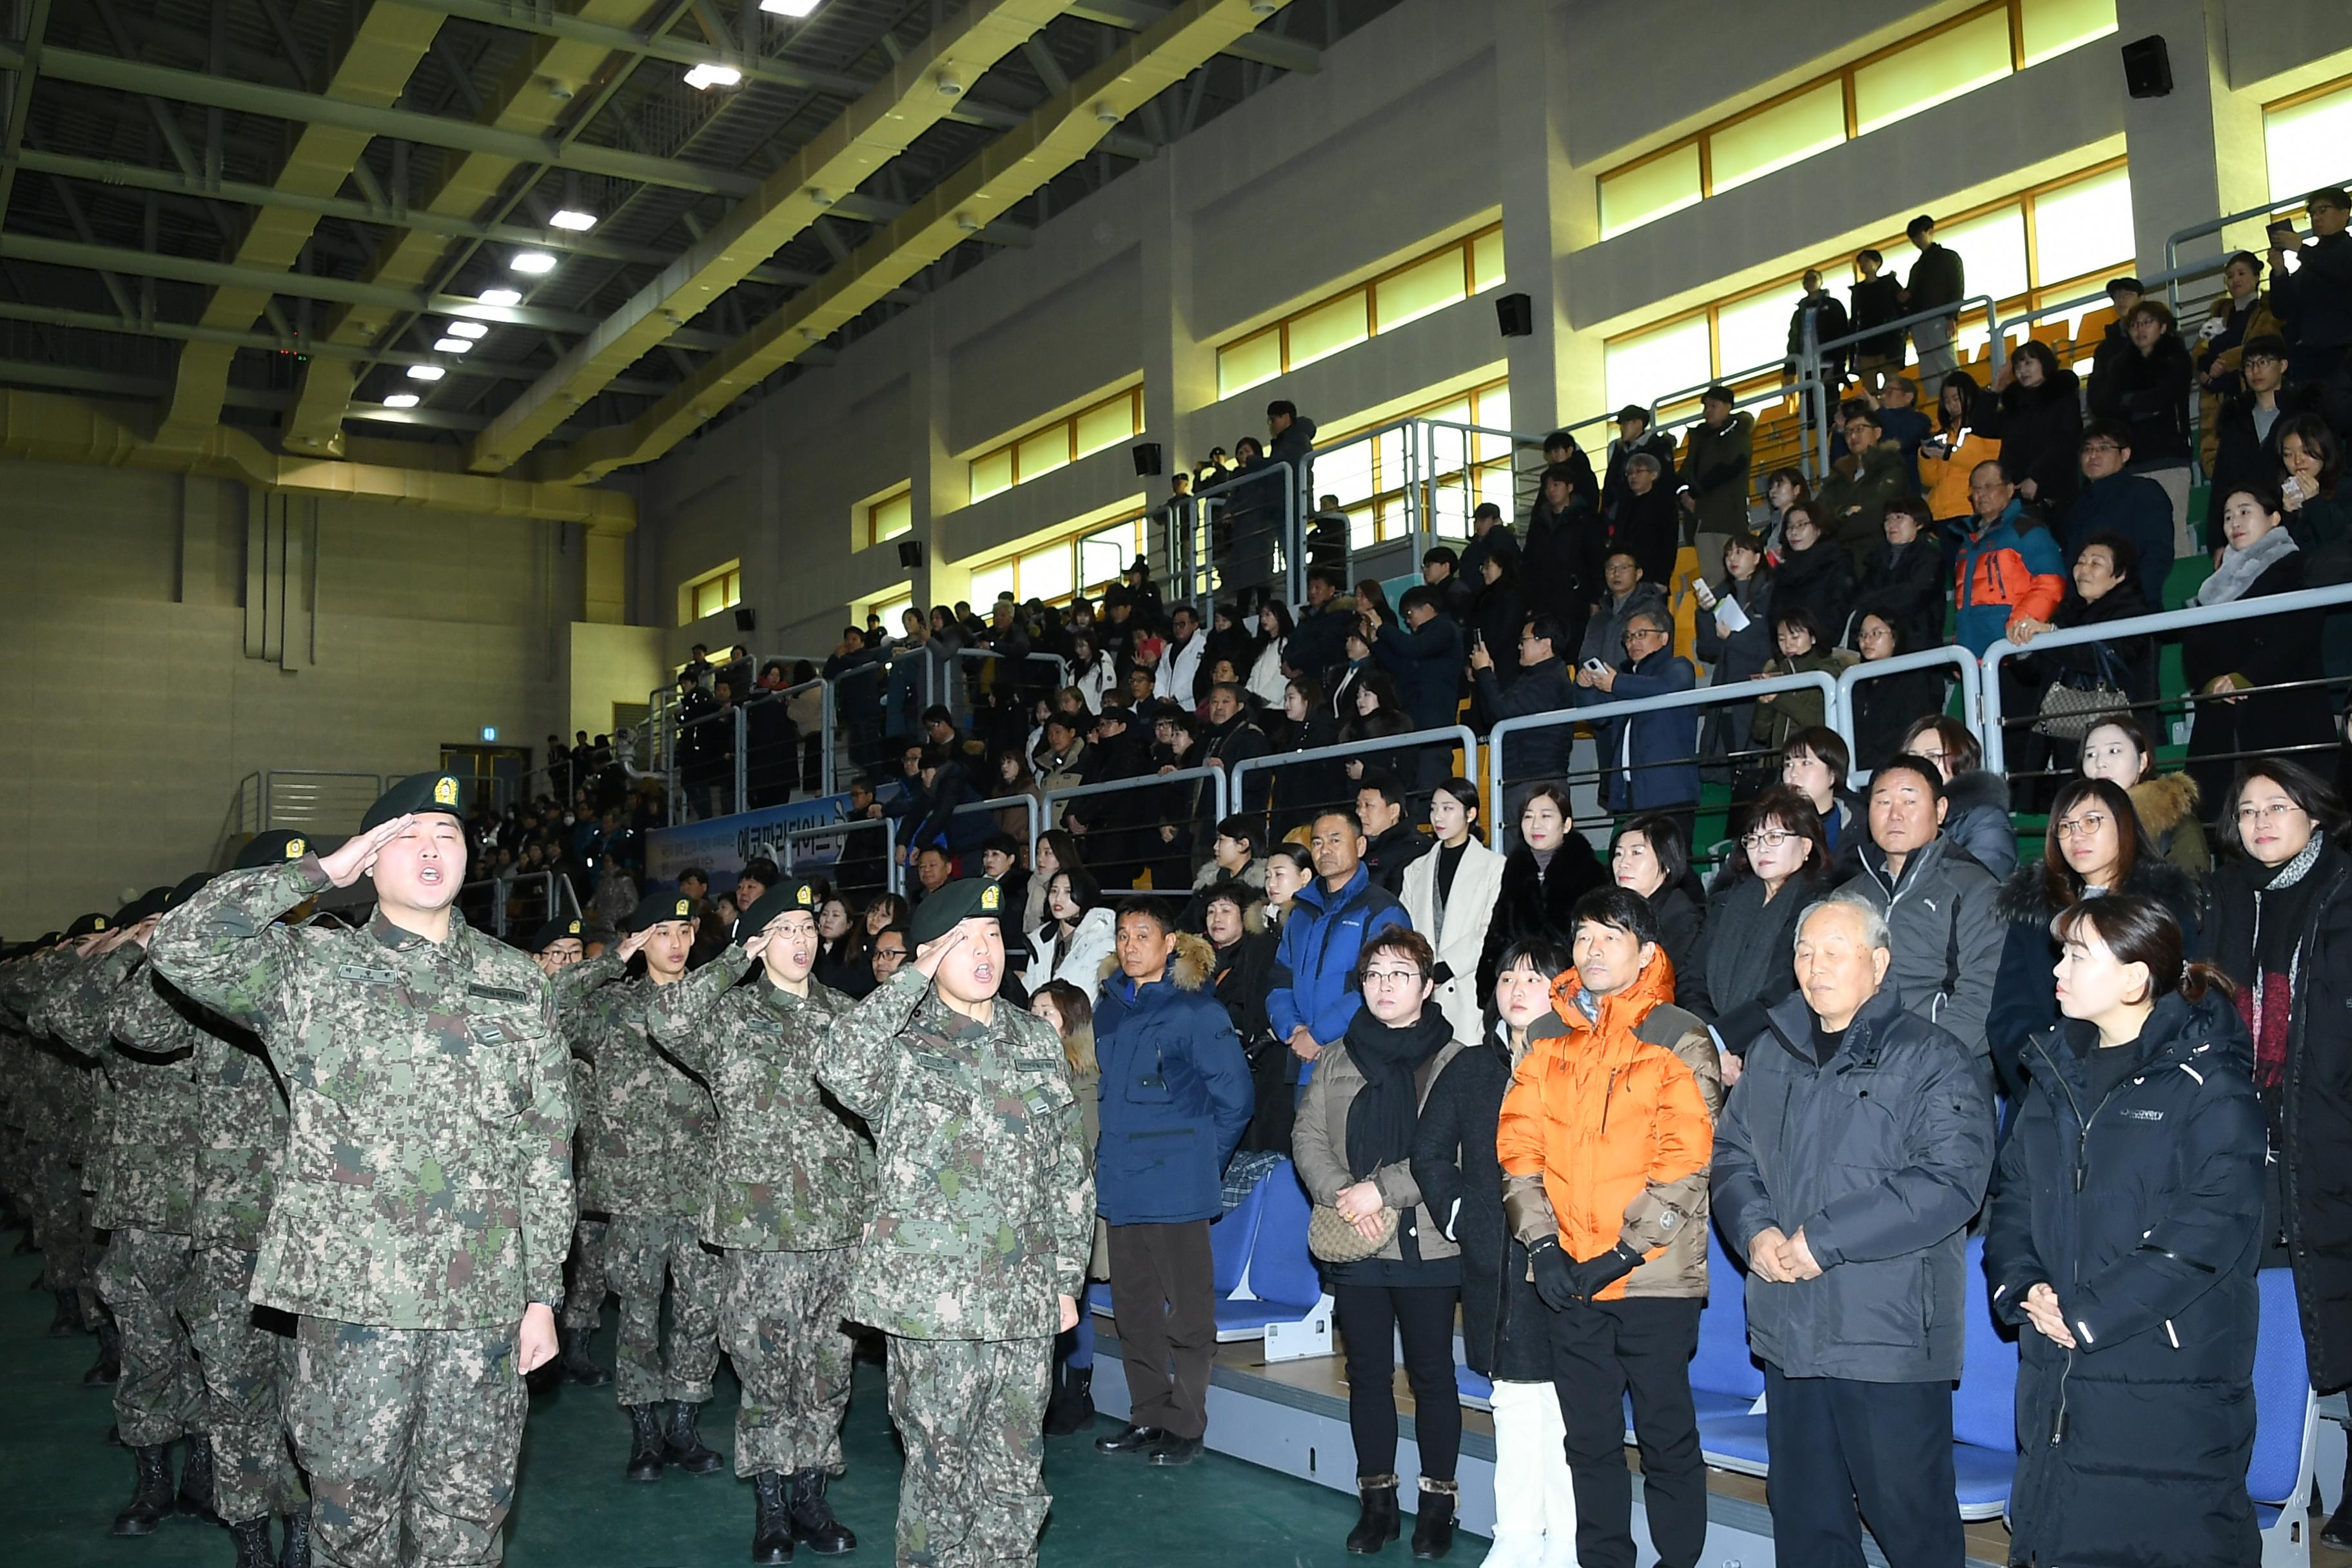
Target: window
x=1116 y=418
x=2305 y=138
x=1086 y=559
x=886 y=516
x=889 y=606
x=1368 y=477
x=718 y=589
x=1972 y=50
x=1452 y=273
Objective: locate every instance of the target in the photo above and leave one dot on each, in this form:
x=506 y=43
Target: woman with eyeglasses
x=1976 y=816
x=1780 y=862
x=2120 y=750
x=2095 y=846
x=1805 y=648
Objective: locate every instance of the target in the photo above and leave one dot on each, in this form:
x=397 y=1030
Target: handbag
x=1332 y=1240
x=2070 y=711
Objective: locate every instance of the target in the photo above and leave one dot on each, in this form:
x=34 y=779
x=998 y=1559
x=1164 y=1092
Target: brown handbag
x=1332 y=1240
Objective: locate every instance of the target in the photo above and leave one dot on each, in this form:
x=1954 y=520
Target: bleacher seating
x=1984 y=1405
x=2286 y=1422
x=1259 y=1262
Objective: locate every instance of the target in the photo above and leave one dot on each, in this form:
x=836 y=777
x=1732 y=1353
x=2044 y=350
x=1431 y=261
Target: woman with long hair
x=1057 y=850
x=1550 y=866
x=1449 y=897
x=1963 y=412
x=1650 y=855
x=1266 y=682
x=2041 y=427
x=1378 y=714
x=840 y=955
x=1301 y=789
x=1079 y=931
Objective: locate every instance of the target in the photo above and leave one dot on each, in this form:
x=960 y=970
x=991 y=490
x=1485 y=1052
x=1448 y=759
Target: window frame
x=1384 y=504
x=869 y=515
x=1009 y=449
x=1139 y=520
x=728 y=577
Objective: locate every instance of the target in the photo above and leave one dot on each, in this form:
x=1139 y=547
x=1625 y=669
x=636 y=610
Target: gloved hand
x=1592 y=1276
x=1555 y=1274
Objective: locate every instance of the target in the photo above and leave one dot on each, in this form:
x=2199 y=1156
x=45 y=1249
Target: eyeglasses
x=1641 y=632
x=2276 y=811
x=1392 y=976
x=1769 y=839
x=2101 y=446
x=2087 y=826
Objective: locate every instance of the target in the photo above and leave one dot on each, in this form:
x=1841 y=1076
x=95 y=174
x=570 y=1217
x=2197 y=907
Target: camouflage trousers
x=640 y=1251
x=583 y=1295
x=244 y=1354
x=784 y=1335
x=144 y=1278
x=971 y=1414
x=61 y=1228
x=406 y=1431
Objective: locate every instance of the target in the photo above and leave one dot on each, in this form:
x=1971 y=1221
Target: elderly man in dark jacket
x=1847 y=1166
x=1544 y=686
x=1176 y=1099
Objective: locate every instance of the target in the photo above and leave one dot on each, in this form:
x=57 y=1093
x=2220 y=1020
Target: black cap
x=2130 y=285
x=1116 y=714
x=653 y=909
x=1632 y=411
x=272 y=849
x=973 y=898
x=89 y=925
x=188 y=889
x=1487 y=508
x=792 y=893
x=418 y=795
x=149 y=902
x=556 y=931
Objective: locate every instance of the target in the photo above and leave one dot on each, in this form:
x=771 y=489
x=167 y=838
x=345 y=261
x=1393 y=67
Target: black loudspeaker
x=1516 y=314
x=910 y=553
x=746 y=618
x=2147 y=69
x=1147 y=459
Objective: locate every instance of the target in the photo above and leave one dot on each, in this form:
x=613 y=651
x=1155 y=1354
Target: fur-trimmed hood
x=2026 y=897
x=2164 y=801
x=1191 y=968
x=1975 y=789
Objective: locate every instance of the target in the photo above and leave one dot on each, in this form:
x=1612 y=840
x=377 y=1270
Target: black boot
x=1377 y=1525
x=771 y=1528
x=295 y=1551
x=67 y=1322
x=645 y=1442
x=576 y=1365
x=108 y=1367
x=683 y=1447
x=1433 y=1526
x=151 y=1495
x=113 y=1438
x=1072 y=1408
x=813 y=1524
x=252 y=1538
x=196 y=1498
x=1129 y=1439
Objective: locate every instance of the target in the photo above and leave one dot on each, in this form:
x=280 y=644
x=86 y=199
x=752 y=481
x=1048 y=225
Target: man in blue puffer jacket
x=1176 y=1099
x=1313 y=997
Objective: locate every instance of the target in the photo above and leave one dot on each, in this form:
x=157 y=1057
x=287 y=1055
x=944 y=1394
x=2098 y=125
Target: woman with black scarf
x=1353 y=1145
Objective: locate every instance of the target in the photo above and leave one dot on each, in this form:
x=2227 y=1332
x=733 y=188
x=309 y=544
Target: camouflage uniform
x=146 y=1181
x=792 y=1177
x=651 y=1142
x=984 y=1216
x=423 y=1200
x=587 y=1279
x=60 y=1108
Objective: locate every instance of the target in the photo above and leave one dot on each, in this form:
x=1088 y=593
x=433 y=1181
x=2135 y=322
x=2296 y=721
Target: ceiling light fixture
x=704 y=77
x=793 y=8
x=425 y=373
x=573 y=219
x=948 y=84
x=402 y=400
x=454 y=346
x=467 y=329
x=500 y=297
x=531 y=261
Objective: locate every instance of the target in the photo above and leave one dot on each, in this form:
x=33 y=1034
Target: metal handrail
x=1738 y=692
x=1028 y=805
x=1992 y=735
x=1773 y=367
x=893 y=876
x=1799 y=387
x=1210 y=499
x=1459 y=734
x=1971 y=684
x=1054 y=798
x=2215 y=226
x=824 y=689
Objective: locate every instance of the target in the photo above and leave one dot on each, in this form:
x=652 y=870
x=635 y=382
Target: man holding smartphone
x=2315 y=298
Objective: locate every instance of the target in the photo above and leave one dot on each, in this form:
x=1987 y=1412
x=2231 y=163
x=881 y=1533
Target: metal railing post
x=1231 y=796
x=1971 y=695
x=827 y=723
x=742 y=759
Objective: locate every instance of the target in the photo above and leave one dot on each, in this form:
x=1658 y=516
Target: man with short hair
x=1846 y=1171
x=1543 y=685
x=1937 y=278
x=1604 y=1142
x=932 y=870
x=1650 y=760
x=1941 y=907
x=1625 y=593
x=1424 y=657
x=1878 y=300
x=1231 y=738
x=1441 y=575
x=1392 y=841
x=1291 y=439
x=1490 y=538
x=2113 y=500
x=1633 y=435
x=2314 y=301
x=1312 y=996
x=1719 y=453
x=1820 y=311
x=1555 y=562
x=1320 y=639
x=1900 y=417
x=752 y=883
x=981 y=1222
x=2006 y=567
x=1176 y=1099
x=1178 y=673
x=1852 y=499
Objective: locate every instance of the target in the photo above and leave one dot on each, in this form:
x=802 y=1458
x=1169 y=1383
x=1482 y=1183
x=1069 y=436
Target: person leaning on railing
x=2231 y=664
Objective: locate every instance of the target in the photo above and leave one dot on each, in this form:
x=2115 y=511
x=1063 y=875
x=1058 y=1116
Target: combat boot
x=576 y=1365
x=67 y=1322
x=813 y=1524
x=294 y=1551
x=1377 y=1525
x=252 y=1538
x=771 y=1528
x=645 y=1442
x=1072 y=1408
x=683 y=1446
x=196 y=1498
x=151 y=1495
x=108 y=1367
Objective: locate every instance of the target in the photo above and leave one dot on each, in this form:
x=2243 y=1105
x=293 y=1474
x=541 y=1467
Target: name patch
x=361 y=973
x=497 y=993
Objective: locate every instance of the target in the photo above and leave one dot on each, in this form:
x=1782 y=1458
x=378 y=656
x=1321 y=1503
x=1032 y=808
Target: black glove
x=1555 y=1274
x=1592 y=1276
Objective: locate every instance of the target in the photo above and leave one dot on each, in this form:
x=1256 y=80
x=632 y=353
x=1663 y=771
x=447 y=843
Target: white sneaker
x=1518 y=1551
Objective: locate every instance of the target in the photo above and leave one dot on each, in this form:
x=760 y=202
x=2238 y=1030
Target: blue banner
x=722 y=846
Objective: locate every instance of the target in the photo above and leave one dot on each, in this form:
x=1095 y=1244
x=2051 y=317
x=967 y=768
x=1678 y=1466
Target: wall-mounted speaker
x=1516 y=314
x=1147 y=459
x=910 y=554
x=746 y=619
x=2148 y=68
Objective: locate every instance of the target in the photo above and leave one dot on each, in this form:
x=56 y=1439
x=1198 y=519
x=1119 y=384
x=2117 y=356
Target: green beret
x=969 y=899
x=89 y=925
x=792 y=893
x=653 y=909
x=274 y=848
x=187 y=889
x=417 y=794
x=555 y=931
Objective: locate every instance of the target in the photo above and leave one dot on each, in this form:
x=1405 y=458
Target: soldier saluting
x=983 y=1219
x=423 y=1200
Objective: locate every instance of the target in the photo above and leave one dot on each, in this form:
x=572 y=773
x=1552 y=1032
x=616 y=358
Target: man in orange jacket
x=1605 y=1141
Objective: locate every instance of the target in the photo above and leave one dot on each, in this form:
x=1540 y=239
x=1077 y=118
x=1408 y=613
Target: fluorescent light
x=501 y=297
x=402 y=400
x=467 y=329
x=531 y=261
x=425 y=373
x=788 y=7
x=454 y=346
x=570 y=218
x=710 y=76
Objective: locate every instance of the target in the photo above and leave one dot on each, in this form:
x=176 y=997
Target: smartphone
x=1594 y=667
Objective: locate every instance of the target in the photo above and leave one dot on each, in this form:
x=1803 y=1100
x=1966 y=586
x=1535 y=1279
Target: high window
x=1087 y=559
x=2308 y=139
x=721 y=588
x=1429 y=282
x=1466 y=465
x=882 y=518
x=1118 y=417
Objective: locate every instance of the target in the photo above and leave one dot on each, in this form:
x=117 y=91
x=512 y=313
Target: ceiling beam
x=536 y=16
x=1060 y=133
x=20 y=93
x=1265 y=49
x=911 y=97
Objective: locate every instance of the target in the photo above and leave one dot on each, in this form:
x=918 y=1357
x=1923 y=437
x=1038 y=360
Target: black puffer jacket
x=1976 y=817
x=2142 y=1209
x=1747 y=954
x=1506 y=1328
x=1536 y=903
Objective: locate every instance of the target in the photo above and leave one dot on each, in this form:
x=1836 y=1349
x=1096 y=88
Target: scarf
x=2238 y=568
x=1387 y=1110
x=2280 y=905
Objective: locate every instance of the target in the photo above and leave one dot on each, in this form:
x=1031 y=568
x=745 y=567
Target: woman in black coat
x=1652 y=857
x=2123 y=1242
x=1780 y=862
x=2041 y=429
x=1302 y=789
x=1815 y=573
x=1884 y=709
x=2105 y=588
x=2230 y=656
x=1505 y=1327
x=2146 y=385
x=1733 y=657
x=1551 y=867
x=1907 y=578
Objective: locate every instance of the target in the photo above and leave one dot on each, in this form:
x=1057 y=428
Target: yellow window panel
x=1783 y=134
x=1042 y=453
x=1327 y=329
x=1104 y=425
x=1648 y=192
x=1423 y=289
x=1486 y=260
x=987 y=583
x=892 y=517
x=2050 y=27
x=1045 y=573
x=1638 y=369
x=1910 y=81
x=992 y=473
x=1253 y=362
x=2083 y=228
x=2306 y=144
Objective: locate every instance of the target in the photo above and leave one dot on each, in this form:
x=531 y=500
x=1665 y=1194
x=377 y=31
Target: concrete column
x=1548 y=210
x=2197 y=151
x=937 y=483
x=604 y=591
x=1180 y=372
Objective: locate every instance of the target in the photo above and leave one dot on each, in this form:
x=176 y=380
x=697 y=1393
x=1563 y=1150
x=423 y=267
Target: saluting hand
x=931 y=954
x=356 y=855
x=631 y=944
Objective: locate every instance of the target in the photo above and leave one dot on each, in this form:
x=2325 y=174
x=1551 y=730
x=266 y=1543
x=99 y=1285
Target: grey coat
x=1881 y=1157
x=1945 y=915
